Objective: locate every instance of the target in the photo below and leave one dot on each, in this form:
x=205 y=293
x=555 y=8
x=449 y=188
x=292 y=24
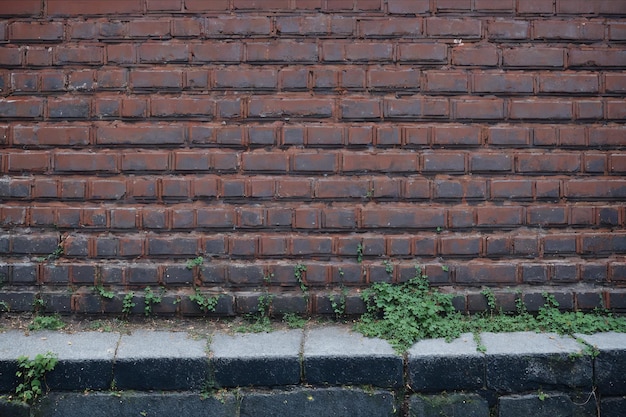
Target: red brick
x=36 y=31
x=152 y=134
x=260 y=4
x=461 y=245
x=268 y=108
x=217 y=52
x=535 y=7
x=408 y=6
x=392 y=79
x=51 y=135
x=483 y=109
x=11 y=56
x=607 y=136
x=156 y=79
x=69 y=108
x=568 y=30
x=314 y=162
x=107 y=189
x=371 y=51
x=282 y=51
x=265 y=161
x=590 y=189
x=145 y=161
x=513 y=189
x=112 y=79
x=85 y=162
x=491 y=162
x=164 y=5
x=379 y=162
x=121 y=54
x=38 y=57
x=298 y=25
x=86 y=55
x=342 y=188
x=617 y=31
x=386 y=28
x=547 y=215
x=457 y=136
x=161 y=53
x=615 y=110
x=186 y=28
x=355 y=109
x=482 y=272
x=541 y=109
x=416 y=107
x=406 y=218
x=444 y=162
x=239 y=26
x=203 y=5
x=491 y=6
x=453 y=5
x=499 y=216
x=452 y=27
x=182 y=107
x=416 y=189
x=257 y=79
x=597 y=58
x=446 y=82
x=88 y=7
x=548 y=162
x=537 y=56
x=483 y=56
x=21 y=108
x=508 y=29
x=294 y=188
x=28 y=161
x=24 y=7
x=615 y=82
x=423 y=52
x=568 y=83
x=590 y=7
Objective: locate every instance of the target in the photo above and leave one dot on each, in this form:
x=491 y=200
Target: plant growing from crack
x=298 y=274
x=338 y=303
x=359 y=252
x=32 y=374
x=150 y=298
x=128 y=304
x=205 y=303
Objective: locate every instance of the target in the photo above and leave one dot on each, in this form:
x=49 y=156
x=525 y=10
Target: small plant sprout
x=195 y=262
x=205 y=303
x=388 y=267
x=298 y=274
x=150 y=298
x=359 y=253
x=32 y=375
x=445 y=268
x=102 y=292
x=127 y=303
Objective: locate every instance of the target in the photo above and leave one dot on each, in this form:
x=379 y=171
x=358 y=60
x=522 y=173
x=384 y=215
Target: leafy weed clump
x=406 y=313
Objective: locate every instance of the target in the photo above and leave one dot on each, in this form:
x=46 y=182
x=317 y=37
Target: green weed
x=294 y=321
x=46 y=323
x=128 y=304
x=102 y=292
x=150 y=298
x=205 y=303
x=32 y=374
x=298 y=274
x=195 y=262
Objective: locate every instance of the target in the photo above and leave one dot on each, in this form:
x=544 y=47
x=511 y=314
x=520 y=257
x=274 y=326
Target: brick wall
x=481 y=139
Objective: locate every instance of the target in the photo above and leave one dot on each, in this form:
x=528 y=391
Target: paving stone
x=85 y=359
x=185 y=404
x=160 y=361
x=466 y=405
x=527 y=361
x=13 y=409
x=337 y=356
x=259 y=359
x=610 y=364
x=613 y=407
x=335 y=402
x=437 y=365
x=532 y=405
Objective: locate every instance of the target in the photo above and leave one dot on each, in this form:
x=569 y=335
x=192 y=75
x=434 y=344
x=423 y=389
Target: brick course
x=484 y=136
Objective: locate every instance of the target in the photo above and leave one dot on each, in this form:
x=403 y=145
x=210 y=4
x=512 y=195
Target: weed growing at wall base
x=411 y=311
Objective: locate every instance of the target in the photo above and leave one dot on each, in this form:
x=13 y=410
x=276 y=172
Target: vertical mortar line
x=301 y=353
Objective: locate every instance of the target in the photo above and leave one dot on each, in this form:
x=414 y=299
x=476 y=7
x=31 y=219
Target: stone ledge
x=275 y=371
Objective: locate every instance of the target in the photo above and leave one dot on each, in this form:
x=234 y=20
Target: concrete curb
x=291 y=367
